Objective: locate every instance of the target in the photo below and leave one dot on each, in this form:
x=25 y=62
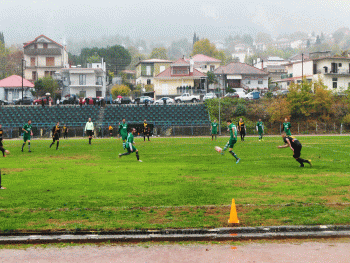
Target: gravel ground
x=310 y=251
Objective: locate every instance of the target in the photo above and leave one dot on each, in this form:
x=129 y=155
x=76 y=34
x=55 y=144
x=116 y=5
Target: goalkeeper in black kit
x=295 y=146
x=56 y=133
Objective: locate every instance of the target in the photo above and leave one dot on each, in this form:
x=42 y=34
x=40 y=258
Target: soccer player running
x=65 y=132
x=286 y=127
x=2 y=149
x=56 y=133
x=27 y=129
x=89 y=128
x=214 y=129
x=242 y=128
x=260 y=129
x=123 y=131
x=295 y=146
x=129 y=145
x=145 y=130
x=233 y=139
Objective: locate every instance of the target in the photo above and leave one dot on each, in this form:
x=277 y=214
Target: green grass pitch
x=181 y=183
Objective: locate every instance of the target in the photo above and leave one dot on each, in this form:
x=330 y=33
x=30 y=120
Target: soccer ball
x=7 y=152
x=218 y=149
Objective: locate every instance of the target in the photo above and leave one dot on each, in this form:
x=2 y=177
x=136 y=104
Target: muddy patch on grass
x=7 y=171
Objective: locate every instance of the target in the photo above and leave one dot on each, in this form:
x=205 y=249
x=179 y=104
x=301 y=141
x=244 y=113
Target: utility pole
x=302 y=67
x=23 y=61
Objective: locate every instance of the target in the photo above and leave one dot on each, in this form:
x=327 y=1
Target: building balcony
x=287 y=76
x=337 y=72
x=43 y=52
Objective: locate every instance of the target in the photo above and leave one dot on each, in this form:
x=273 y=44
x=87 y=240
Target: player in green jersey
x=129 y=145
x=233 y=139
x=286 y=127
x=123 y=131
x=214 y=129
x=260 y=129
x=27 y=132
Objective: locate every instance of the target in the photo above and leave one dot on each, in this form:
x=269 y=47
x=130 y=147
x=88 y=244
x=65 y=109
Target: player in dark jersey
x=65 y=132
x=145 y=130
x=56 y=133
x=241 y=128
x=295 y=146
x=2 y=149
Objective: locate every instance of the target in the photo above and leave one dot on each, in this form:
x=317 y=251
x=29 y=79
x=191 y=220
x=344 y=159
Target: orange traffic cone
x=233 y=214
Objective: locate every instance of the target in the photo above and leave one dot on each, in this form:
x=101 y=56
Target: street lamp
x=23 y=66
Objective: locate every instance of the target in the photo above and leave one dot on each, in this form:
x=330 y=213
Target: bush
x=121 y=90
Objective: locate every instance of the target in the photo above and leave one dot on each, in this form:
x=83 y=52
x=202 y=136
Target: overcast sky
x=24 y=20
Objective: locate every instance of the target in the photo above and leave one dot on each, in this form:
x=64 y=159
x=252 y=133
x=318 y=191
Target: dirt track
x=328 y=252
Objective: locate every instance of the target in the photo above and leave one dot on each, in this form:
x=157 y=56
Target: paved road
x=328 y=252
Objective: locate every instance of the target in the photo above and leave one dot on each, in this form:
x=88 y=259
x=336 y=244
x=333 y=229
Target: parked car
x=186 y=97
x=124 y=100
x=162 y=100
x=39 y=100
x=280 y=93
x=232 y=95
x=4 y=102
x=209 y=96
x=143 y=99
x=253 y=95
x=26 y=101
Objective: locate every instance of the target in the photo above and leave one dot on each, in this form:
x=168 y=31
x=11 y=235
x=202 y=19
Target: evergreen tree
x=2 y=38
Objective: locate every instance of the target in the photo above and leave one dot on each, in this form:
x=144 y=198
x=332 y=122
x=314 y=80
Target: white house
x=43 y=57
x=334 y=71
x=85 y=82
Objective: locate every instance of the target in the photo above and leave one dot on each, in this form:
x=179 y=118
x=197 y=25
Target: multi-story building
x=147 y=69
x=274 y=66
x=238 y=75
x=43 y=57
x=180 y=77
x=333 y=71
x=85 y=82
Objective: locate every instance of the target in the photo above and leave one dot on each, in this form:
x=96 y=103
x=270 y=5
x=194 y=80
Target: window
x=212 y=68
x=33 y=75
x=335 y=85
x=45 y=45
x=247 y=81
x=260 y=82
x=334 y=79
x=50 y=61
x=47 y=73
x=148 y=70
x=35 y=46
x=98 y=93
x=340 y=65
x=148 y=82
x=99 y=81
x=32 y=62
x=82 y=79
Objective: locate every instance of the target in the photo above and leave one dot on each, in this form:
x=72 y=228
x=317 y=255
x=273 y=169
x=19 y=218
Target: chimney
x=191 y=65
x=262 y=64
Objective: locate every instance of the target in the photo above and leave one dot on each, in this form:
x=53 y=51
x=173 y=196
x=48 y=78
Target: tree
x=179 y=48
x=338 y=36
x=2 y=38
x=318 y=40
x=211 y=78
x=45 y=85
x=322 y=101
x=159 y=53
x=121 y=90
x=4 y=52
x=94 y=59
x=247 y=39
x=136 y=56
x=279 y=109
x=204 y=47
x=300 y=99
x=263 y=38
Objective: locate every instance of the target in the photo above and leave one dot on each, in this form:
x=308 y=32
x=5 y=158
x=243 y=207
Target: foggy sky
x=22 y=21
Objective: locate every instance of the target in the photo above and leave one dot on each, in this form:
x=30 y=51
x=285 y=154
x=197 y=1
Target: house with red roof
x=43 y=57
x=147 y=69
x=11 y=88
x=238 y=75
x=180 y=77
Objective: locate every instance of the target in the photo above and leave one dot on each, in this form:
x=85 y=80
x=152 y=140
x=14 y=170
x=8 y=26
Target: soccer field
x=181 y=183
